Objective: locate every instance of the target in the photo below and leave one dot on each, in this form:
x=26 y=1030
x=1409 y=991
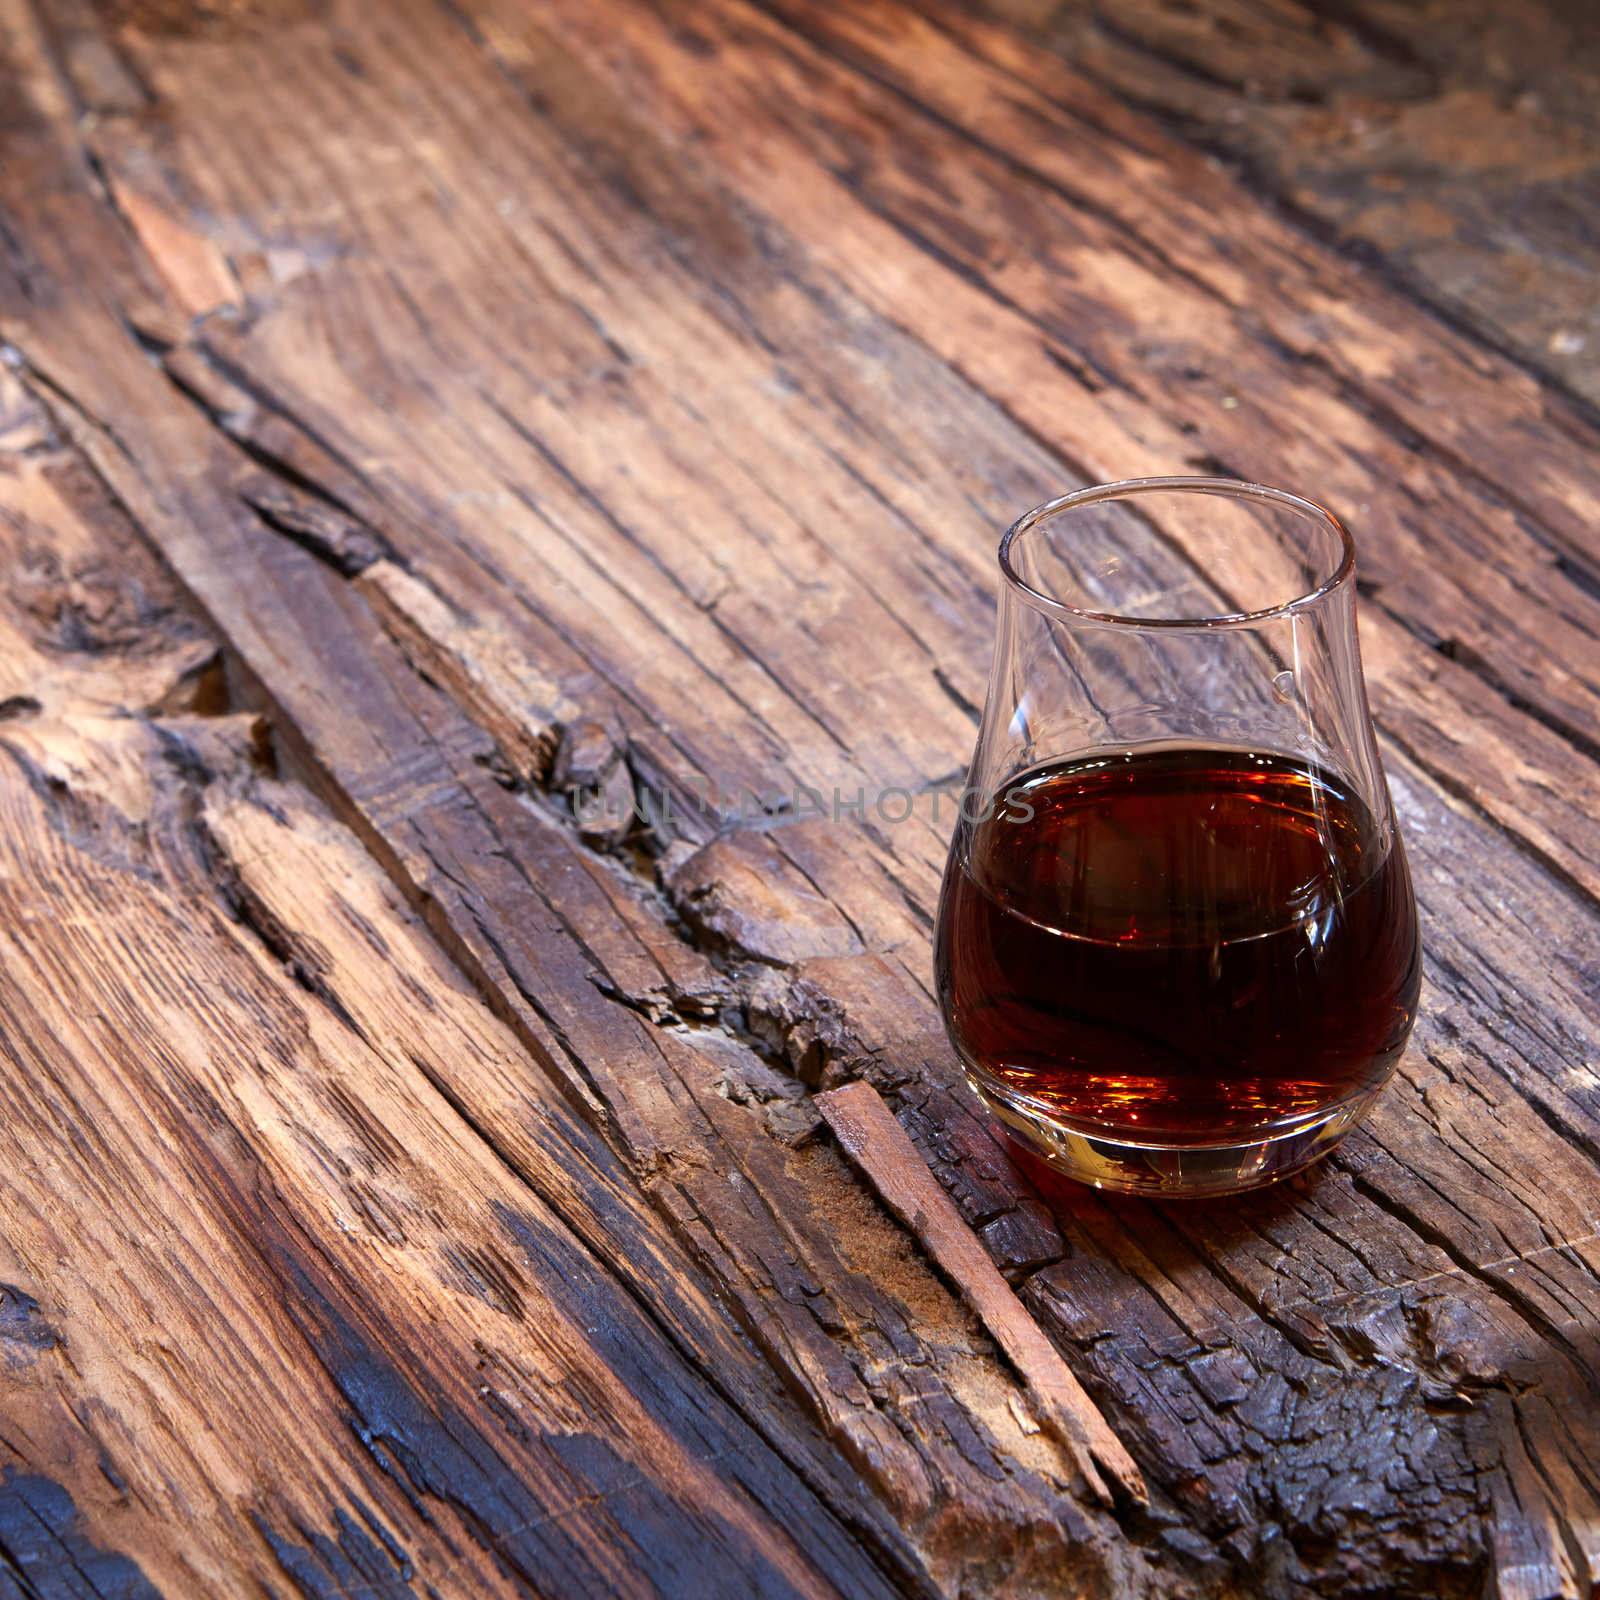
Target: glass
x=1177 y=946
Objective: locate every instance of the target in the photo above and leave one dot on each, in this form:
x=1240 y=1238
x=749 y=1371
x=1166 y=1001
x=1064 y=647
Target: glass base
x=1163 y=1171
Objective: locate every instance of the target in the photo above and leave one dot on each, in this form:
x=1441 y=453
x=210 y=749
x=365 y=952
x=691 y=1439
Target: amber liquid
x=1178 y=946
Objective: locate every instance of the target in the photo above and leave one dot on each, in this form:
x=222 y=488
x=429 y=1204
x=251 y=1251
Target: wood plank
x=876 y=1143
x=1197 y=342
x=491 y=359
x=316 y=1332
x=886 y=1360
x=1454 y=143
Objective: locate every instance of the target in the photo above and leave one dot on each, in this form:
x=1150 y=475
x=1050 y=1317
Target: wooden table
x=417 y=419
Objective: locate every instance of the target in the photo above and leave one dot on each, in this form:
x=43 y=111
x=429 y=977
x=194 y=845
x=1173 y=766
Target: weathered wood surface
x=1455 y=142
x=424 y=423
x=870 y=1134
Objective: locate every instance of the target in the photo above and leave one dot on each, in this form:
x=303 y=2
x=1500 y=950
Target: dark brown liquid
x=1179 y=945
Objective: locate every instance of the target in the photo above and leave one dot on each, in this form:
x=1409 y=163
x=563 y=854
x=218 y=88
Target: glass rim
x=1126 y=488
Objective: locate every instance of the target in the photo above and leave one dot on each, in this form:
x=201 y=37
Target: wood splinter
x=881 y=1149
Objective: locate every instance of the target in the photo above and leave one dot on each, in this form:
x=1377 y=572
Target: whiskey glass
x=1177 y=948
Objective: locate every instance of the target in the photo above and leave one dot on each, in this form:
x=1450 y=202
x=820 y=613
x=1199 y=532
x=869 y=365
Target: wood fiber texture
x=492 y=498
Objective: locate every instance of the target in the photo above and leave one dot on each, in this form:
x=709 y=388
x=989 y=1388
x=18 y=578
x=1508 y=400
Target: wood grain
x=1455 y=145
x=529 y=415
x=316 y=1323
x=876 y=1143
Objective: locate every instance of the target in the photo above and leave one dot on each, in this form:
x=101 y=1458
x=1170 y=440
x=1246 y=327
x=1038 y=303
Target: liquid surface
x=1179 y=945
